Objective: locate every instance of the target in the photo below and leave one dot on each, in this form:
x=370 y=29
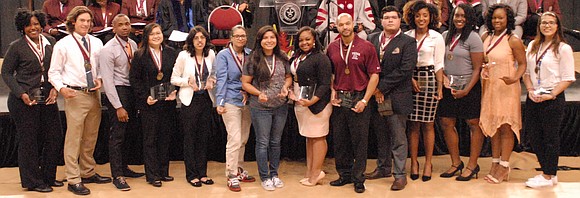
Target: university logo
x=290 y=13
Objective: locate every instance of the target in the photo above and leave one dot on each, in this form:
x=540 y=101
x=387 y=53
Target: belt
x=425 y=68
x=83 y=89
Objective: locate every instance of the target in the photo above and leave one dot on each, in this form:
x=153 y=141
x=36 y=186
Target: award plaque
x=385 y=108
x=38 y=95
x=459 y=82
x=161 y=91
x=423 y=83
x=306 y=92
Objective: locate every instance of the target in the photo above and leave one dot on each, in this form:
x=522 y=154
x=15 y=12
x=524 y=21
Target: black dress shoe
x=57 y=183
x=341 y=181
x=359 y=187
x=377 y=175
x=96 y=179
x=196 y=183
x=79 y=189
x=167 y=178
x=156 y=183
x=132 y=174
x=42 y=188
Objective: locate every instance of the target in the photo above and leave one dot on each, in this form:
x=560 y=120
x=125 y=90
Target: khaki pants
x=83 y=116
x=237 y=121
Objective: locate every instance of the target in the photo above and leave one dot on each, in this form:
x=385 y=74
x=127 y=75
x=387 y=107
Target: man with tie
x=73 y=73
x=397 y=56
x=139 y=11
x=114 y=66
x=56 y=12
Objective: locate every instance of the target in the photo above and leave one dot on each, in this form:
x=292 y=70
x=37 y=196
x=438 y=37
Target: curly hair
x=414 y=7
x=23 y=16
x=189 y=47
x=72 y=16
x=470 y=22
x=511 y=18
x=256 y=58
x=317 y=43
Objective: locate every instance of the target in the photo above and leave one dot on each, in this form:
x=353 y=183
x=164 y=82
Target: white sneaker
x=538 y=182
x=554 y=180
x=277 y=182
x=268 y=185
x=536 y=177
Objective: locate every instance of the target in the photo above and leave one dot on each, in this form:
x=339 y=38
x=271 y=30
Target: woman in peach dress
x=500 y=103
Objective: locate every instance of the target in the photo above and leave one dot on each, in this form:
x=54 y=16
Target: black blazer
x=21 y=70
x=143 y=75
x=316 y=70
x=395 y=79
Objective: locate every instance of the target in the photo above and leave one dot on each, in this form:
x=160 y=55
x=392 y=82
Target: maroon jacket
x=547 y=5
x=129 y=8
x=112 y=10
x=53 y=15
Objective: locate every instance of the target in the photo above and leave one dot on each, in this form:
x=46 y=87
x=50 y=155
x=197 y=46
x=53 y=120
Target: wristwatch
x=364 y=101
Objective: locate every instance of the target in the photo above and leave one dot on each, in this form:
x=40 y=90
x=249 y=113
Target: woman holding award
x=192 y=74
x=551 y=71
x=150 y=73
x=32 y=102
x=266 y=77
x=231 y=105
x=312 y=75
x=462 y=90
x=423 y=18
x=500 y=101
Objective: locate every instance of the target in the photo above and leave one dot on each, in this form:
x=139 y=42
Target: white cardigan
x=183 y=69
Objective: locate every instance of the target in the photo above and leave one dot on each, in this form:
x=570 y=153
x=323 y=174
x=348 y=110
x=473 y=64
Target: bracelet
x=364 y=101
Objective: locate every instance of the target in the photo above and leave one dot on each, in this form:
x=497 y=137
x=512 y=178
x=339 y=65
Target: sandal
x=195 y=182
x=207 y=181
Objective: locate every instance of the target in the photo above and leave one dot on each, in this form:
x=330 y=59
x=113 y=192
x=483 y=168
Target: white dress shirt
x=554 y=69
x=184 y=68
x=432 y=51
x=67 y=62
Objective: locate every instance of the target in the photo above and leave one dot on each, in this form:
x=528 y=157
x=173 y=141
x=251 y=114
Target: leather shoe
x=399 y=184
x=377 y=175
x=96 y=179
x=132 y=174
x=42 y=188
x=167 y=178
x=340 y=182
x=156 y=183
x=79 y=189
x=359 y=187
x=57 y=183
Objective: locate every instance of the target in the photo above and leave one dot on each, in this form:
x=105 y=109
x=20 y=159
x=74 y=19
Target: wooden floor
x=290 y=172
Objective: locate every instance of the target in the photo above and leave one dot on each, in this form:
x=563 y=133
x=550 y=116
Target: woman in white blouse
x=192 y=74
x=550 y=71
x=423 y=18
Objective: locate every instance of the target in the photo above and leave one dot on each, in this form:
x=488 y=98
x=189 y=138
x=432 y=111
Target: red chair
x=223 y=18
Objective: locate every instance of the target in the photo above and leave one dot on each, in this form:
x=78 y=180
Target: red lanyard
x=197 y=66
x=385 y=42
x=454 y=42
x=239 y=61
x=129 y=56
x=347 y=52
x=272 y=69
x=39 y=53
x=298 y=60
x=88 y=51
x=496 y=42
x=422 y=40
x=157 y=60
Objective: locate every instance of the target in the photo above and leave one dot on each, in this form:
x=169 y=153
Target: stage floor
x=522 y=164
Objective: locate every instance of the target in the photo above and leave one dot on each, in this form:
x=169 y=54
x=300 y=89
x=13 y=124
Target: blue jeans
x=268 y=125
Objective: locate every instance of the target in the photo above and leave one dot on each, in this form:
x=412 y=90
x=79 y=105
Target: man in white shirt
x=73 y=73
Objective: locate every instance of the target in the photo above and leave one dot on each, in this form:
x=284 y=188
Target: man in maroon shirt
x=56 y=12
x=356 y=75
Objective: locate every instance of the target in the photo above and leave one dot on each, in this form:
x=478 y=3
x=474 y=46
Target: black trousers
x=119 y=129
x=543 y=121
x=350 y=136
x=383 y=136
x=196 y=123
x=158 y=124
x=40 y=139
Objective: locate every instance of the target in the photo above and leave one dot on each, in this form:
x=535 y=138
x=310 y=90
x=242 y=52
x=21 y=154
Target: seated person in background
x=139 y=11
x=519 y=7
x=359 y=10
x=56 y=12
x=535 y=9
x=104 y=11
x=175 y=15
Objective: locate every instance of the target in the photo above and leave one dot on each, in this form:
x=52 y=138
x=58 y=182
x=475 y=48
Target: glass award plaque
x=306 y=92
x=38 y=95
x=459 y=82
x=385 y=108
x=161 y=91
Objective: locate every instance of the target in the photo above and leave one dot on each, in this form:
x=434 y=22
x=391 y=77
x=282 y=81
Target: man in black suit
x=397 y=56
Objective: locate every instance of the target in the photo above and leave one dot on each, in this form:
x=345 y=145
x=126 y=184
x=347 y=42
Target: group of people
x=394 y=82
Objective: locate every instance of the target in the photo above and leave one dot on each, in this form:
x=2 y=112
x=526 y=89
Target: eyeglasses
x=390 y=17
x=546 y=23
x=239 y=36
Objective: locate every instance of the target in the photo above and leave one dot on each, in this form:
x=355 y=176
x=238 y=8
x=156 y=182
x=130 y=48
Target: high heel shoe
x=427 y=178
x=474 y=172
x=415 y=176
x=318 y=179
x=502 y=174
x=451 y=174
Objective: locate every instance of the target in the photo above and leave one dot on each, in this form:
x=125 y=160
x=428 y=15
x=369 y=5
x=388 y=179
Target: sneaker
x=555 y=180
x=538 y=182
x=277 y=182
x=243 y=176
x=234 y=184
x=268 y=185
x=121 y=184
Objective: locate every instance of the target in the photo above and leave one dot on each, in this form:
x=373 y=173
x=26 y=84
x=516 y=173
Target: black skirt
x=467 y=107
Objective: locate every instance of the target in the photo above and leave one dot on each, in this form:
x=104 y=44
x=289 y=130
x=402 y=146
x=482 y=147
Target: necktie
x=89 y=73
x=129 y=53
